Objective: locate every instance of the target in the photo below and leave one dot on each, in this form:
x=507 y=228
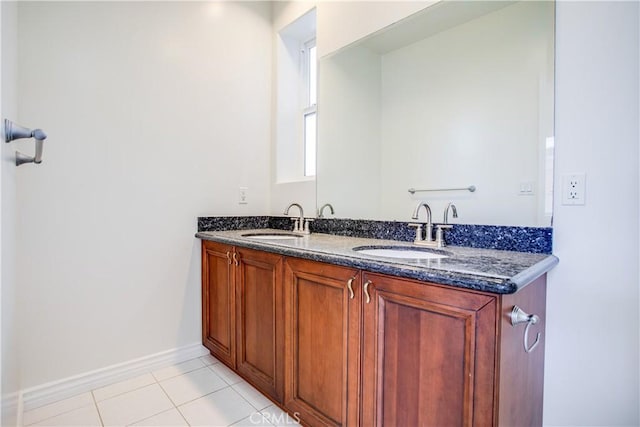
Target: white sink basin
x=400 y=252
x=272 y=236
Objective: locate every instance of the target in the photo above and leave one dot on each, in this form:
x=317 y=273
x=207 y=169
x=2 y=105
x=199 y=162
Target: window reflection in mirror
x=296 y=93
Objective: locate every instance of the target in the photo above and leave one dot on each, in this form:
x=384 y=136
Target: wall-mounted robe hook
x=518 y=316
x=13 y=131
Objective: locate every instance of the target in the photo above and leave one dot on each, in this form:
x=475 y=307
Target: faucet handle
x=418 y=228
x=440 y=234
x=306 y=229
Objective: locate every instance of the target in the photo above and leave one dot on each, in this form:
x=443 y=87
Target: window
x=309 y=113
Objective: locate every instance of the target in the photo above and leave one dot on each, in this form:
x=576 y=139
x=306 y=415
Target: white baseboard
x=11 y=412
x=44 y=394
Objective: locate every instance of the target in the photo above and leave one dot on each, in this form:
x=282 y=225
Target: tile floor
x=198 y=392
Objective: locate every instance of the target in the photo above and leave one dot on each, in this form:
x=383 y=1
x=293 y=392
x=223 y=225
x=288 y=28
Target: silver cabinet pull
x=235 y=259
x=366 y=290
x=518 y=316
x=229 y=257
x=349 y=283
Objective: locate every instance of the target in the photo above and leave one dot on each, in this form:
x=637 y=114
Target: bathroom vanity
x=338 y=337
x=344 y=337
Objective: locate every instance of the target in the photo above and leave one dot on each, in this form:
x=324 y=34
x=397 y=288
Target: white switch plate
x=243 y=195
x=573 y=189
x=526 y=188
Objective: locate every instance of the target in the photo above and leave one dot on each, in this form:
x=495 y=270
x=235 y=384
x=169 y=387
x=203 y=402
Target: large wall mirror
x=459 y=94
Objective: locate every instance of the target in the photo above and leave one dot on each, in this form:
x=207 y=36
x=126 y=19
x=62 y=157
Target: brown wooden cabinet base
x=242 y=313
x=335 y=346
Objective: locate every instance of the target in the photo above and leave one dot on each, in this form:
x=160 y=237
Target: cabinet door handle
x=229 y=257
x=349 y=283
x=235 y=259
x=366 y=291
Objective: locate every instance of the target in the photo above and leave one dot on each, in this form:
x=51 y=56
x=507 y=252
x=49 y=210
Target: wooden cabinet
x=259 y=321
x=218 y=301
x=242 y=313
x=336 y=346
x=428 y=355
x=323 y=343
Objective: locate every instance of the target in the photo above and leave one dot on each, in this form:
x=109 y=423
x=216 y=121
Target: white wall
x=349 y=133
x=10 y=366
x=591 y=364
x=340 y=23
x=156 y=114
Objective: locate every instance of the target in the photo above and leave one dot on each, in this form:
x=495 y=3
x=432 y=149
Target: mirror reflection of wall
x=471 y=104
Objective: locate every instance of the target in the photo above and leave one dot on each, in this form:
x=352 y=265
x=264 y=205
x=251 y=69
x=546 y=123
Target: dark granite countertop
x=489 y=270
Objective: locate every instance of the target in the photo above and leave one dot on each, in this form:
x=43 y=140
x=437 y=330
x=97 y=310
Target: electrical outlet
x=243 y=196
x=573 y=189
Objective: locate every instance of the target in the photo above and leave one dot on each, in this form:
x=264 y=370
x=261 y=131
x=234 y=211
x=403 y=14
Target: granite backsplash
x=510 y=238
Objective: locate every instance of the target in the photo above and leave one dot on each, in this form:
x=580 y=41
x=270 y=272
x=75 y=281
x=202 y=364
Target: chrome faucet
x=417 y=211
x=446 y=212
x=428 y=226
x=300 y=225
x=441 y=227
x=321 y=210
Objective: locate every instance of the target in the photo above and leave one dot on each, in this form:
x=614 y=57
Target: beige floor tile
x=278 y=417
x=192 y=385
x=87 y=416
x=251 y=395
x=254 y=420
x=221 y=408
x=209 y=360
x=115 y=389
x=179 y=369
x=134 y=406
x=57 y=408
x=227 y=374
x=170 y=418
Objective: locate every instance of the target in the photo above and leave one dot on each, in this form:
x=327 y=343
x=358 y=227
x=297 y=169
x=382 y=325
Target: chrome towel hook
x=518 y=316
x=13 y=131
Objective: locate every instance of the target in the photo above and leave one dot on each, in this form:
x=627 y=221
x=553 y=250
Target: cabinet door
x=322 y=364
x=260 y=323
x=218 y=301
x=428 y=355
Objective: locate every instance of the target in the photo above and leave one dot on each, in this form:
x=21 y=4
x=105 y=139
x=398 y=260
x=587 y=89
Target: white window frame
x=309 y=107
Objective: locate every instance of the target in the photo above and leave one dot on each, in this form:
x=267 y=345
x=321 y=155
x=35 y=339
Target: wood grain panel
x=521 y=373
x=322 y=344
x=420 y=355
x=218 y=302
x=260 y=333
